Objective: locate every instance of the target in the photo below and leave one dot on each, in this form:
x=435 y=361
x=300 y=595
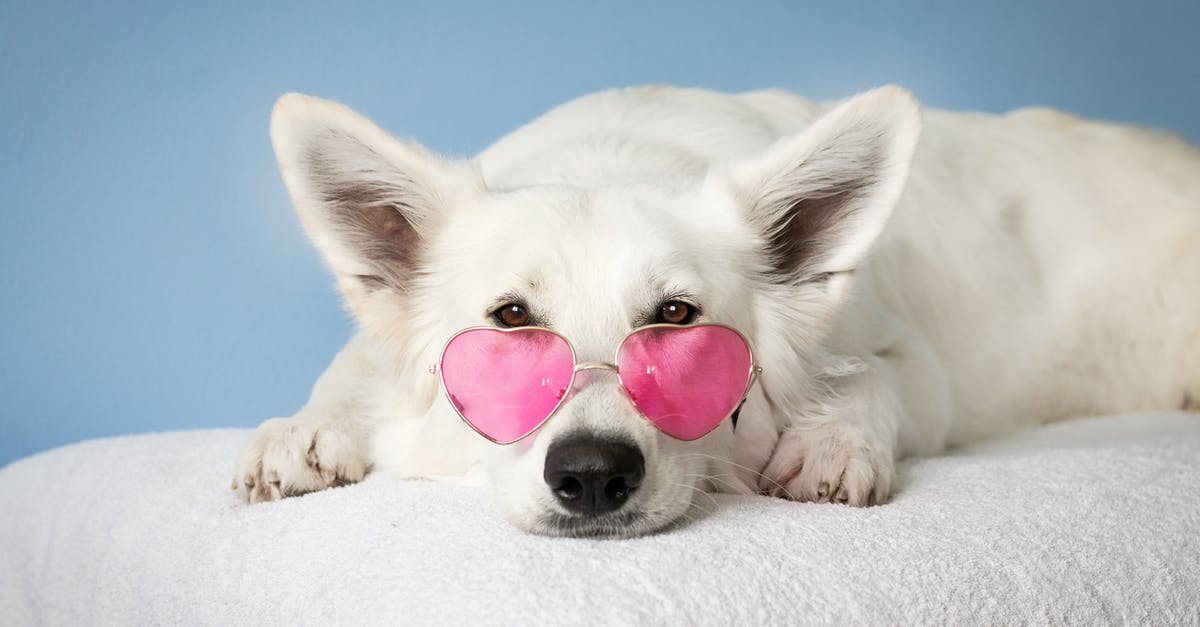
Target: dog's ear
x=821 y=197
x=367 y=200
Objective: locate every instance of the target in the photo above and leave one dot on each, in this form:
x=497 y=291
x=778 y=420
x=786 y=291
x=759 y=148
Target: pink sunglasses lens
x=686 y=380
x=506 y=383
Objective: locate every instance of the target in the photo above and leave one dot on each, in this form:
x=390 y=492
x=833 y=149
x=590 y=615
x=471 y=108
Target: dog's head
x=423 y=247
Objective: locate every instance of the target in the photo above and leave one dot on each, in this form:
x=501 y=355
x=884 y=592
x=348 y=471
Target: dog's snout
x=592 y=476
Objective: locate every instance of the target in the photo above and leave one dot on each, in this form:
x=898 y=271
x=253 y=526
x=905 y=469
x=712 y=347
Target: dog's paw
x=828 y=462
x=287 y=458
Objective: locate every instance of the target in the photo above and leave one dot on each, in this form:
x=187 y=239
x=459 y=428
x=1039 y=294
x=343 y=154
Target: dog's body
x=1036 y=267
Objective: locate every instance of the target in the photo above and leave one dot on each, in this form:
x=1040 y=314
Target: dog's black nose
x=592 y=476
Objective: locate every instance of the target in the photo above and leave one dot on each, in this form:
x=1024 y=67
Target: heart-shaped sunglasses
x=505 y=383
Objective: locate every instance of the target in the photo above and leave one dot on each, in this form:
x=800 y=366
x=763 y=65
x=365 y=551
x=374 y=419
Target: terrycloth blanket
x=1094 y=521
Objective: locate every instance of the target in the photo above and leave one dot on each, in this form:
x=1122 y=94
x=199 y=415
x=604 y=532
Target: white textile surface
x=1093 y=521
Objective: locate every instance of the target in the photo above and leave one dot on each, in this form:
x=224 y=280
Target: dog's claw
x=828 y=462
x=289 y=458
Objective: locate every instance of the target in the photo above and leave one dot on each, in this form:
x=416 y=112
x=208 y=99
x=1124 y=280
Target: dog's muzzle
x=590 y=476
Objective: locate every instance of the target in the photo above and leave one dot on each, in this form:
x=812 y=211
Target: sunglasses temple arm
x=754 y=374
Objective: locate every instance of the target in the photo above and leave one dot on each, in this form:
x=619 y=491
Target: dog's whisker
x=695 y=504
x=733 y=464
x=722 y=460
x=731 y=484
x=705 y=493
x=687 y=517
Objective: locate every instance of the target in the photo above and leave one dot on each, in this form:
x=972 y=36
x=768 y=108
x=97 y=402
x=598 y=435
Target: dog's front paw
x=828 y=462
x=287 y=457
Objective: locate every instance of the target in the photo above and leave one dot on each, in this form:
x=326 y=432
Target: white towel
x=1094 y=521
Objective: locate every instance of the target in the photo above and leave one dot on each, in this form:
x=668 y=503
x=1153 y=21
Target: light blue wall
x=152 y=275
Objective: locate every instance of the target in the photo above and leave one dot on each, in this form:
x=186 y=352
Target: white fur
x=1036 y=267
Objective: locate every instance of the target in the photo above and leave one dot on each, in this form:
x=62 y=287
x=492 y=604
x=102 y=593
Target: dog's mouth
x=657 y=512
x=614 y=525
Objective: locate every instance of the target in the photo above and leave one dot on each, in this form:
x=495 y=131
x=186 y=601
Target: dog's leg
x=324 y=444
x=844 y=452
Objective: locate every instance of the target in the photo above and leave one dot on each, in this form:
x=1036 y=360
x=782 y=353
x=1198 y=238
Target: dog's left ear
x=820 y=198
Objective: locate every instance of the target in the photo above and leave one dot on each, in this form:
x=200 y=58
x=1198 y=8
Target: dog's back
x=1052 y=263
x=1048 y=265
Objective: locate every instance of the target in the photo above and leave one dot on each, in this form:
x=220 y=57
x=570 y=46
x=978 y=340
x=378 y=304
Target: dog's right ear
x=367 y=200
x=822 y=196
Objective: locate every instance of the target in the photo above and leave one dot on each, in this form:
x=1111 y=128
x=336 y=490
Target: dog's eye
x=512 y=315
x=676 y=312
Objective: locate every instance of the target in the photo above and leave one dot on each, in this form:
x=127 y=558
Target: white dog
x=900 y=296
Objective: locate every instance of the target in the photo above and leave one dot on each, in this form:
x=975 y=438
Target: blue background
x=152 y=275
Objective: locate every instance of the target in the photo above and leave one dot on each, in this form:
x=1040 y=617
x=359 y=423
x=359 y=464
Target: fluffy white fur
x=1026 y=268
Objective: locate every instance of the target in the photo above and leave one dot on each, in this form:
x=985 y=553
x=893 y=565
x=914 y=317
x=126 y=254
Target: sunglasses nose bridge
x=584 y=371
x=594 y=365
